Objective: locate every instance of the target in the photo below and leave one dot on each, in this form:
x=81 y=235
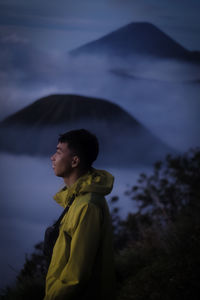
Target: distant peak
x=139 y=24
x=136 y=38
x=138 y=27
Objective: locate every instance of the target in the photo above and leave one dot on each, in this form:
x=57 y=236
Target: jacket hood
x=96 y=181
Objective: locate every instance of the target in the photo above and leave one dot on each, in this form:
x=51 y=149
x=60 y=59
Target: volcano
x=135 y=39
x=123 y=140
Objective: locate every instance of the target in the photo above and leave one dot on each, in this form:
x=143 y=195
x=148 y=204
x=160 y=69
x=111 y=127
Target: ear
x=75 y=161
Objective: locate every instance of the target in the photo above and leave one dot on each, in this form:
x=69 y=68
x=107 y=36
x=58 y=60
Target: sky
x=162 y=95
x=36 y=35
x=65 y=24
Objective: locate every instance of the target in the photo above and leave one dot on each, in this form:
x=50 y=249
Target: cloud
x=27 y=208
x=13 y=38
x=75 y=16
x=156 y=92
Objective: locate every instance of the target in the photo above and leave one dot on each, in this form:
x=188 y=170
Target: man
x=81 y=266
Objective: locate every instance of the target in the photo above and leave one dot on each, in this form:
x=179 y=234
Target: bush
x=162 y=262
x=28 y=289
x=30 y=282
x=167 y=270
x=157 y=248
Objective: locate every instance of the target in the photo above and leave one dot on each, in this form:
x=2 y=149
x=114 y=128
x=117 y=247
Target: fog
x=134 y=145
x=27 y=207
x=162 y=94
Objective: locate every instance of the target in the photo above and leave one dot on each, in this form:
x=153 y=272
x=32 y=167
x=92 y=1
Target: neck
x=73 y=177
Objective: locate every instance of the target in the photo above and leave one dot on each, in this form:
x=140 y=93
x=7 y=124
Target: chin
x=58 y=174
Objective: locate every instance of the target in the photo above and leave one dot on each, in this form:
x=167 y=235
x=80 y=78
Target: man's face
x=62 y=160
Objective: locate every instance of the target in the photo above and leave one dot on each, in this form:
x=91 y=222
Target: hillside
x=135 y=39
x=57 y=109
x=123 y=140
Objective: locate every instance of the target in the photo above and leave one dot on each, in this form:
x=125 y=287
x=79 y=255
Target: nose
x=52 y=157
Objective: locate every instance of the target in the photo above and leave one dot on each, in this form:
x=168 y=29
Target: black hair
x=83 y=143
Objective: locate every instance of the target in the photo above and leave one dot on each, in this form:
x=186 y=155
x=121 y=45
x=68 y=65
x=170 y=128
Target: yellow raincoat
x=82 y=262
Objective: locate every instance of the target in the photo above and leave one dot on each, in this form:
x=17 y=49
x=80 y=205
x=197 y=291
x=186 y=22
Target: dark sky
x=64 y=24
x=54 y=27
x=58 y=26
x=164 y=97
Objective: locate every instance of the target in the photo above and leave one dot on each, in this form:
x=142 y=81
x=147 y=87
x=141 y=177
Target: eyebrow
x=58 y=148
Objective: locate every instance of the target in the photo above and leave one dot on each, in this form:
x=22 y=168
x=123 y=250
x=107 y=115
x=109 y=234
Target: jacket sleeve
x=84 y=247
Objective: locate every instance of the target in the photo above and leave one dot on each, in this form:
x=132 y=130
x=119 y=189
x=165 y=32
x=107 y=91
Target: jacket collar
x=98 y=181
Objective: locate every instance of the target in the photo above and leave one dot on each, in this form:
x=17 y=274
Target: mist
x=27 y=206
x=161 y=94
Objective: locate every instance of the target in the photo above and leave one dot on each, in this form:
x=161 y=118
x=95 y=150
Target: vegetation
x=159 y=245
x=157 y=248
x=30 y=282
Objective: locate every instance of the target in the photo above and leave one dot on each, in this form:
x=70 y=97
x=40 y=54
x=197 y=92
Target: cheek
x=60 y=162
x=64 y=164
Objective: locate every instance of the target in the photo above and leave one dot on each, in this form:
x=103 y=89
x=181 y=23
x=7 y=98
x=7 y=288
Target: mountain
x=123 y=140
x=65 y=109
x=140 y=38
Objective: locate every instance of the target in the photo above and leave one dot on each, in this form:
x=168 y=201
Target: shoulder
x=88 y=204
x=91 y=200
x=84 y=210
